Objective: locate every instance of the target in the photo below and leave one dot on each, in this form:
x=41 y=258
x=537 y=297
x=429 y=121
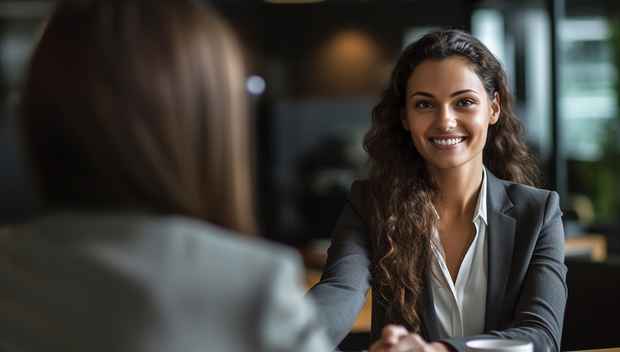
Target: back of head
x=140 y=104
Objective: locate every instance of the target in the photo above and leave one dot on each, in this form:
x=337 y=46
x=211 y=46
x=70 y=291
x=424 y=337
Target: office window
x=588 y=111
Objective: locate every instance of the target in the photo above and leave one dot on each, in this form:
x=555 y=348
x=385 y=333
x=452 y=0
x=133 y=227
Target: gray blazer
x=132 y=283
x=526 y=291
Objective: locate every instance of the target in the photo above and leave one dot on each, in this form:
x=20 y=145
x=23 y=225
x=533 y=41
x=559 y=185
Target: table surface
x=615 y=349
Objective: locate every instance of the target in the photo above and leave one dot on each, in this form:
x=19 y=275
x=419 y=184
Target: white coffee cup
x=498 y=345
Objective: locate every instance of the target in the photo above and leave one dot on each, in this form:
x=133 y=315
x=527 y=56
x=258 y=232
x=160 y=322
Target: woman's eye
x=465 y=103
x=422 y=104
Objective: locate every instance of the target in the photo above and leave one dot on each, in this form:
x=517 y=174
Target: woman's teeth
x=447 y=141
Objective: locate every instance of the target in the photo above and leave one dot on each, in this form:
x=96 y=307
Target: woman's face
x=448 y=113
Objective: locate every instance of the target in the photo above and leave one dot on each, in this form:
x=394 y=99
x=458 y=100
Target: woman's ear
x=495 y=109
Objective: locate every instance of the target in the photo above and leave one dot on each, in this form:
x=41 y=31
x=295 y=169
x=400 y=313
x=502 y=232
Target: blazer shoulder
x=520 y=191
x=528 y=198
x=184 y=242
x=359 y=188
x=218 y=240
x=360 y=197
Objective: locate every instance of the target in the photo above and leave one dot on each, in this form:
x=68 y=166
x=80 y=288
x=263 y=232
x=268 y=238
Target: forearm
x=341 y=293
x=337 y=308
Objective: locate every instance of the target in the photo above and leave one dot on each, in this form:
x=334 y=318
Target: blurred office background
x=315 y=70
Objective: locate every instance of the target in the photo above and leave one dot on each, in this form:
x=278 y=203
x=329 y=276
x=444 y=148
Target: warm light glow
x=349 y=61
x=351 y=47
x=349 y=55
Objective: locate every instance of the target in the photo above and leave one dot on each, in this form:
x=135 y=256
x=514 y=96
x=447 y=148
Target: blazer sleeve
x=341 y=292
x=288 y=320
x=539 y=312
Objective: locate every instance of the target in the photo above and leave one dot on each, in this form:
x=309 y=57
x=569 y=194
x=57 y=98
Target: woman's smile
x=447 y=142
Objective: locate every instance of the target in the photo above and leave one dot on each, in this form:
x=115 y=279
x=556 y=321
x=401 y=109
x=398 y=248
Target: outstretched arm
x=341 y=293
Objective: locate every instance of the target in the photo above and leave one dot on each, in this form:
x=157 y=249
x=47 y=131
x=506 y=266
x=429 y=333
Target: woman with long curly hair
x=448 y=229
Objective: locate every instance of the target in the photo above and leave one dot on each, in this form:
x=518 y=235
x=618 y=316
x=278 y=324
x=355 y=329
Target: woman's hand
x=395 y=338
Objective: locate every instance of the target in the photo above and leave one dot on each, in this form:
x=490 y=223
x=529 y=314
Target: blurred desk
x=362 y=324
x=587 y=245
x=615 y=349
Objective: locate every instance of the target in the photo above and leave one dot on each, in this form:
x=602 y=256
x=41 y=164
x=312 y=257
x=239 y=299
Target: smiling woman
x=448 y=230
x=448 y=114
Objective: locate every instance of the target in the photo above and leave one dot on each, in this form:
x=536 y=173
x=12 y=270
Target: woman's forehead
x=444 y=76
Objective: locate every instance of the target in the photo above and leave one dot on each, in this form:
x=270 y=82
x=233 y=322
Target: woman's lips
x=447 y=142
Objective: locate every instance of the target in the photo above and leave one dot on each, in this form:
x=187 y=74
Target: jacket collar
x=497 y=195
x=500 y=245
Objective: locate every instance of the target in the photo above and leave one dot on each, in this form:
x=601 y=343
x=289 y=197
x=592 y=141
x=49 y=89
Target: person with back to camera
x=448 y=230
x=134 y=115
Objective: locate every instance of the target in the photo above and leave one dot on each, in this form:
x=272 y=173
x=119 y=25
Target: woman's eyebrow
x=425 y=94
x=429 y=95
x=458 y=92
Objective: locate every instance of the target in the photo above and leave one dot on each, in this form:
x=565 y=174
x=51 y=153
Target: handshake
x=395 y=338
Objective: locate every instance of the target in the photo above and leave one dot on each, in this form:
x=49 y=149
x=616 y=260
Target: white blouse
x=460 y=306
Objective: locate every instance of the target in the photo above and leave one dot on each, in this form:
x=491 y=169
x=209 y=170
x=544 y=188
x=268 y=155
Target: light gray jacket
x=133 y=283
x=526 y=287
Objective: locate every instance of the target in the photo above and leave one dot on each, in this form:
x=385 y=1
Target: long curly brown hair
x=402 y=191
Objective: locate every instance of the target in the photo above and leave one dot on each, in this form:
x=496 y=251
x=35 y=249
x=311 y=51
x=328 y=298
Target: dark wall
x=289 y=45
x=285 y=38
x=325 y=65
x=592 y=310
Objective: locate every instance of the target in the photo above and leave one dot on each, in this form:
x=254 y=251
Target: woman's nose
x=446 y=119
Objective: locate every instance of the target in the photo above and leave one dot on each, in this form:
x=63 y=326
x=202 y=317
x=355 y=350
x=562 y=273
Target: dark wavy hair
x=402 y=191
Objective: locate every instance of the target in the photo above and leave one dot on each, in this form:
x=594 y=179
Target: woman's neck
x=458 y=189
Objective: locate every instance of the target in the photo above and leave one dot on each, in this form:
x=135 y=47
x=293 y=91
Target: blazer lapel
x=427 y=307
x=500 y=236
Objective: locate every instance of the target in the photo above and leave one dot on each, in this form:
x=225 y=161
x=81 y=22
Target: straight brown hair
x=140 y=104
